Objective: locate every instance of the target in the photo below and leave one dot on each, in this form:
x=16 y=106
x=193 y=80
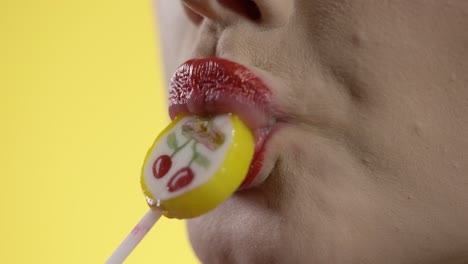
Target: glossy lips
x=217 y=86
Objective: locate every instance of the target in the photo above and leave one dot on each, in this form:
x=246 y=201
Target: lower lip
x=262 y=136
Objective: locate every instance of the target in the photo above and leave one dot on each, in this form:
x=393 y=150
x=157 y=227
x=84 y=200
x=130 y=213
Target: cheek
x=175 y=30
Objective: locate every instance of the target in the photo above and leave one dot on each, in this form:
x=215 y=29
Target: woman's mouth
x=215 y=86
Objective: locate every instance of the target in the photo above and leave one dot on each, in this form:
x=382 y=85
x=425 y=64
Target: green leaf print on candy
x=197 y=132
x=202 y=160
x=172 y=141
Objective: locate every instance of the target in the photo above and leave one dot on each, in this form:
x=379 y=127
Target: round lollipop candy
x=194 y=165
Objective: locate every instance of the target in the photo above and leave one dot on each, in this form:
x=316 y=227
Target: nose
x=263 y=12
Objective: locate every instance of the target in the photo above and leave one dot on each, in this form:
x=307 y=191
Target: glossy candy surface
x=196 y=163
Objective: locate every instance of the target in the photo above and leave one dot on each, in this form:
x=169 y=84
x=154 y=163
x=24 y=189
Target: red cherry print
x=181 y=179
x=161 y=166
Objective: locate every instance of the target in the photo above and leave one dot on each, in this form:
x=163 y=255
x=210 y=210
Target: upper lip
x=214 y=86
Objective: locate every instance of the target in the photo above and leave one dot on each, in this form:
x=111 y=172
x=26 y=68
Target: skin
x=371 y=163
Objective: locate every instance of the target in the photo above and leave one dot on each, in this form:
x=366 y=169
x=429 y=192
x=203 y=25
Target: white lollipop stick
x=137 y=234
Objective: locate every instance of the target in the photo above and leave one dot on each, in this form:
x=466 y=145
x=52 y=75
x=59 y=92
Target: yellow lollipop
x=194 y=165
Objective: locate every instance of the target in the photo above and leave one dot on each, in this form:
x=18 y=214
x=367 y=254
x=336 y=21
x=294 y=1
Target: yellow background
x=81 y=99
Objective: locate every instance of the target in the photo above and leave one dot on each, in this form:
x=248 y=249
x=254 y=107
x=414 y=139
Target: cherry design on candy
x=198 y=131
x=163 y=163
x=185 y=176
x=182 y=178
x=161 y=166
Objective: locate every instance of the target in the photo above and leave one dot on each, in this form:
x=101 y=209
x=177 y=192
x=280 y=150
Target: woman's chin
x=241 y=230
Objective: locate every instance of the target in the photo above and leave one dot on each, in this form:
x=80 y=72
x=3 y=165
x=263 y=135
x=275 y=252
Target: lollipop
x=194 y=165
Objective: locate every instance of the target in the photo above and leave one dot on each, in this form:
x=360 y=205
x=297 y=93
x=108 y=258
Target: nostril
x=252 y=10
x=246 y=8
x=192 y=15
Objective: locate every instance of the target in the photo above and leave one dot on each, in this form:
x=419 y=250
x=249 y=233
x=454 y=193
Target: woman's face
x=370 y=164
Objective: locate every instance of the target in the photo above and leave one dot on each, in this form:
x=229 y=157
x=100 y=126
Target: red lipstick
x=214 y=86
